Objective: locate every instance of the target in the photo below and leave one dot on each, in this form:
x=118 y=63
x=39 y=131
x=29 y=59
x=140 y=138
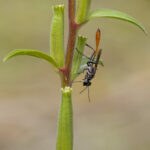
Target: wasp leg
x=84 y=89
x=79 y=74
x=90 y=47
x=83 y=54
x=92 y=56
x=89 y=94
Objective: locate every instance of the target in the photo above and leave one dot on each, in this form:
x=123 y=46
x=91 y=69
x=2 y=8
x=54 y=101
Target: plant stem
x=71 y=41
x=69 y=56
x=71 y=10
x=65 y=124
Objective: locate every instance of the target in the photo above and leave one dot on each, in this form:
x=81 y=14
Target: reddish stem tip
x=62 y=70
x=76 y=24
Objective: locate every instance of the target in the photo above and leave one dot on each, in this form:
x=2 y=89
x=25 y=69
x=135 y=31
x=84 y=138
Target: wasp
x=91 y=69
x=92 y=63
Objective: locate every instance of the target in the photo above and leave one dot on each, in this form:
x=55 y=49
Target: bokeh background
x=118 y=117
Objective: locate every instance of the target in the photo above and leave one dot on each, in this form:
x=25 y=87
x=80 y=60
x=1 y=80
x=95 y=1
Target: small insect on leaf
x=90 y=64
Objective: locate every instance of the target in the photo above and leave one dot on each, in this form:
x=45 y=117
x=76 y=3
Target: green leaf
x=83 y=8
x=78 y=56
x=114 y=14
x=57 y=36
x=34 y=53
x=101 y=62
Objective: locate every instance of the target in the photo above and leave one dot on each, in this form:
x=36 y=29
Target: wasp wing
x=97 y=58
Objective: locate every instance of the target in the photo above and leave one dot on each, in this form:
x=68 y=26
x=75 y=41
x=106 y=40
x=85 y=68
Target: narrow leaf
x=114 y=14
x=83 y=8
x=101 y=62
x=33 y=53
x=57 y=35
x=78 y=56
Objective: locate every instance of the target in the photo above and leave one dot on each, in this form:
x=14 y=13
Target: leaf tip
x=145 y=31
x=82 y=38
x=108 y=13
x=5 y=59
x=59 y=7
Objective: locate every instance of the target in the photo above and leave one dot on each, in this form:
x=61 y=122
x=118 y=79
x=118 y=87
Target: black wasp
x=92 y=63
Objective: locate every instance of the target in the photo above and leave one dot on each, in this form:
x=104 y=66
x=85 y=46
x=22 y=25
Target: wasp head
x=86 y=83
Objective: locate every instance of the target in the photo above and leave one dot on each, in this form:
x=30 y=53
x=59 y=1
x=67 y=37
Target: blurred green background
x=118 y=117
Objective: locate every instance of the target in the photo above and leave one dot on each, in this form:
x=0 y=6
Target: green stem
x=65 y=122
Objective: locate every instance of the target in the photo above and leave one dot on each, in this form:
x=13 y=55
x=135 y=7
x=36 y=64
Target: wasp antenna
x=82 y=54
x=89 y=94
x=90 y=47
x=83 y=89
